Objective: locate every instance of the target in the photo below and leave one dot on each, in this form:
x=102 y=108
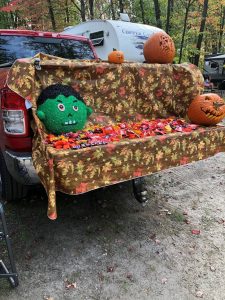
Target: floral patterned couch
x=130 y=91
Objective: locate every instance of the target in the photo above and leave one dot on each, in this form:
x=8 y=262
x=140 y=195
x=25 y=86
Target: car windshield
x=13 y=47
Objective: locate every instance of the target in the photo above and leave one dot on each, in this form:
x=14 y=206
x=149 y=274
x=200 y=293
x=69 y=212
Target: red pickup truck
x=16 y=168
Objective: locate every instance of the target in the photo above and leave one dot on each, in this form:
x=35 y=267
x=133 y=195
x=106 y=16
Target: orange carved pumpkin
x=116 y=57
x=207 y=109
x=159 y=48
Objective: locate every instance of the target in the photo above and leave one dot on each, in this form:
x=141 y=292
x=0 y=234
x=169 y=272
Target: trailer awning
x=217 y=57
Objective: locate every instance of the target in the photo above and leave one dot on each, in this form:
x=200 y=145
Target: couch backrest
x=123 y=92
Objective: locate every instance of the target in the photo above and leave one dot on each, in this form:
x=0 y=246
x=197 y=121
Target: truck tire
x=140 y=190
x=10 y=189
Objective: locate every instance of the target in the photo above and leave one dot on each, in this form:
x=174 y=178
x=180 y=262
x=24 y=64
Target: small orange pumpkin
x=207 y=109
x=159 y=48
x=116 y=57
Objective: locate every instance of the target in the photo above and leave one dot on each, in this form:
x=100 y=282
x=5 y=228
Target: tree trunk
x=142 y=11
x=157 y=14
x=184 y=31
x=82 y=10
x=222 y=23
x=201 y=31
x=172 y=5
x=51 y=13
x=67 y=12
x=112 y=10
x=169 y=6
x=12 y=18
x=91 y=9
x=121 y=6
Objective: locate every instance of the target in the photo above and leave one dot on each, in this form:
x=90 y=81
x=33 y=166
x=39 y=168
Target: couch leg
x=139 y=190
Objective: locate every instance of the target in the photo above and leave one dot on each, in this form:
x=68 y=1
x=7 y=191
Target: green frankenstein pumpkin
x=62 y=109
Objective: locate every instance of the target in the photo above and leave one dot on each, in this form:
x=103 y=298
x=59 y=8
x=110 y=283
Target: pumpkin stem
x=114 y=49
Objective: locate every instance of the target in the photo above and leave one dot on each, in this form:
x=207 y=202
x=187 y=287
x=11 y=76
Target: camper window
x=97 y=38
x=214 y=65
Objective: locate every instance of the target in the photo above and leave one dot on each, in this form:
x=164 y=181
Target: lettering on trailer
x=138 y=38
x=136 y=33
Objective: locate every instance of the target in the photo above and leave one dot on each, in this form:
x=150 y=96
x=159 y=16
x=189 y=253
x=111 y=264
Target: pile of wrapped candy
x=101 y=135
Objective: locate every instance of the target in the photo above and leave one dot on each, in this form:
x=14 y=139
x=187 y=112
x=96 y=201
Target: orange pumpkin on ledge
x=116 y=57
x=207 y=109
x=159 y=48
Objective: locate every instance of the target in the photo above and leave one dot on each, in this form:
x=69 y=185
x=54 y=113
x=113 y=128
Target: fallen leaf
x=131 y=249
x=164 y=210
x=221 y=221
x=199 y=294
x=130 y=276
x=71 y=285
x=100 y=276
x=152 y=236
x=164 y=280
x=213 y=269
x=111 y=269
x=195 y=231
x=28 y=255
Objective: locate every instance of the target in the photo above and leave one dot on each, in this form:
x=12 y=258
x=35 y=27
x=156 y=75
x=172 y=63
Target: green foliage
x=5 y=21
x=71 y=12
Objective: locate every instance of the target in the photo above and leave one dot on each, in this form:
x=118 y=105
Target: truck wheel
x=140 y=190
x=10 y=189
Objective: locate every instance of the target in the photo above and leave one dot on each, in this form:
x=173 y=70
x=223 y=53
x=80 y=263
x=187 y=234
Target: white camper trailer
x=121 y=35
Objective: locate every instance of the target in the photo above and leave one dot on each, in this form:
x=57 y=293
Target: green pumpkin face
x=63 y=114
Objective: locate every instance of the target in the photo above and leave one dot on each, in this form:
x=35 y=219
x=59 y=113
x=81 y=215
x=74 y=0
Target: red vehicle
x=16 y=168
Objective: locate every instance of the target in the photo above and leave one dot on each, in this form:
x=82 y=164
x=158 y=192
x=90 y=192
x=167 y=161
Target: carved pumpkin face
x=207 y=109
x=159 y=48
x=116 y=57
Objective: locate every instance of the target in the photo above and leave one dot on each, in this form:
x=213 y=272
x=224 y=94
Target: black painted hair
x=52 y=91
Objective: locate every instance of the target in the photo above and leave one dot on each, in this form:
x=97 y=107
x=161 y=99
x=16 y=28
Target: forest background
x=196 y=26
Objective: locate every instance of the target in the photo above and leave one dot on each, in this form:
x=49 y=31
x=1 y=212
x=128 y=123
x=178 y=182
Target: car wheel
x=10 y=189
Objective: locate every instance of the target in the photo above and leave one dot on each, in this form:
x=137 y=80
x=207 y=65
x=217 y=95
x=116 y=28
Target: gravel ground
x=106 y=246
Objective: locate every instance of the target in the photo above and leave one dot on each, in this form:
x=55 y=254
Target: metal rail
x=7 y=272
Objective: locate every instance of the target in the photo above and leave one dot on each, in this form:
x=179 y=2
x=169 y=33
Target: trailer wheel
x=10 y=189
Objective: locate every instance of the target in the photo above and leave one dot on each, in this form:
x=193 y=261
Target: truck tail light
x=14 y=114
x=13 y=121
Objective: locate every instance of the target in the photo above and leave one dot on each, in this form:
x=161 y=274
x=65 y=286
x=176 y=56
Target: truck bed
x=117 y=93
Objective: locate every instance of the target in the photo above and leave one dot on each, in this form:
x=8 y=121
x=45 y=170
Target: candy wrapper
x=101 y=135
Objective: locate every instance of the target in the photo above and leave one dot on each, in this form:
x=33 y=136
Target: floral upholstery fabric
x=130 y=91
